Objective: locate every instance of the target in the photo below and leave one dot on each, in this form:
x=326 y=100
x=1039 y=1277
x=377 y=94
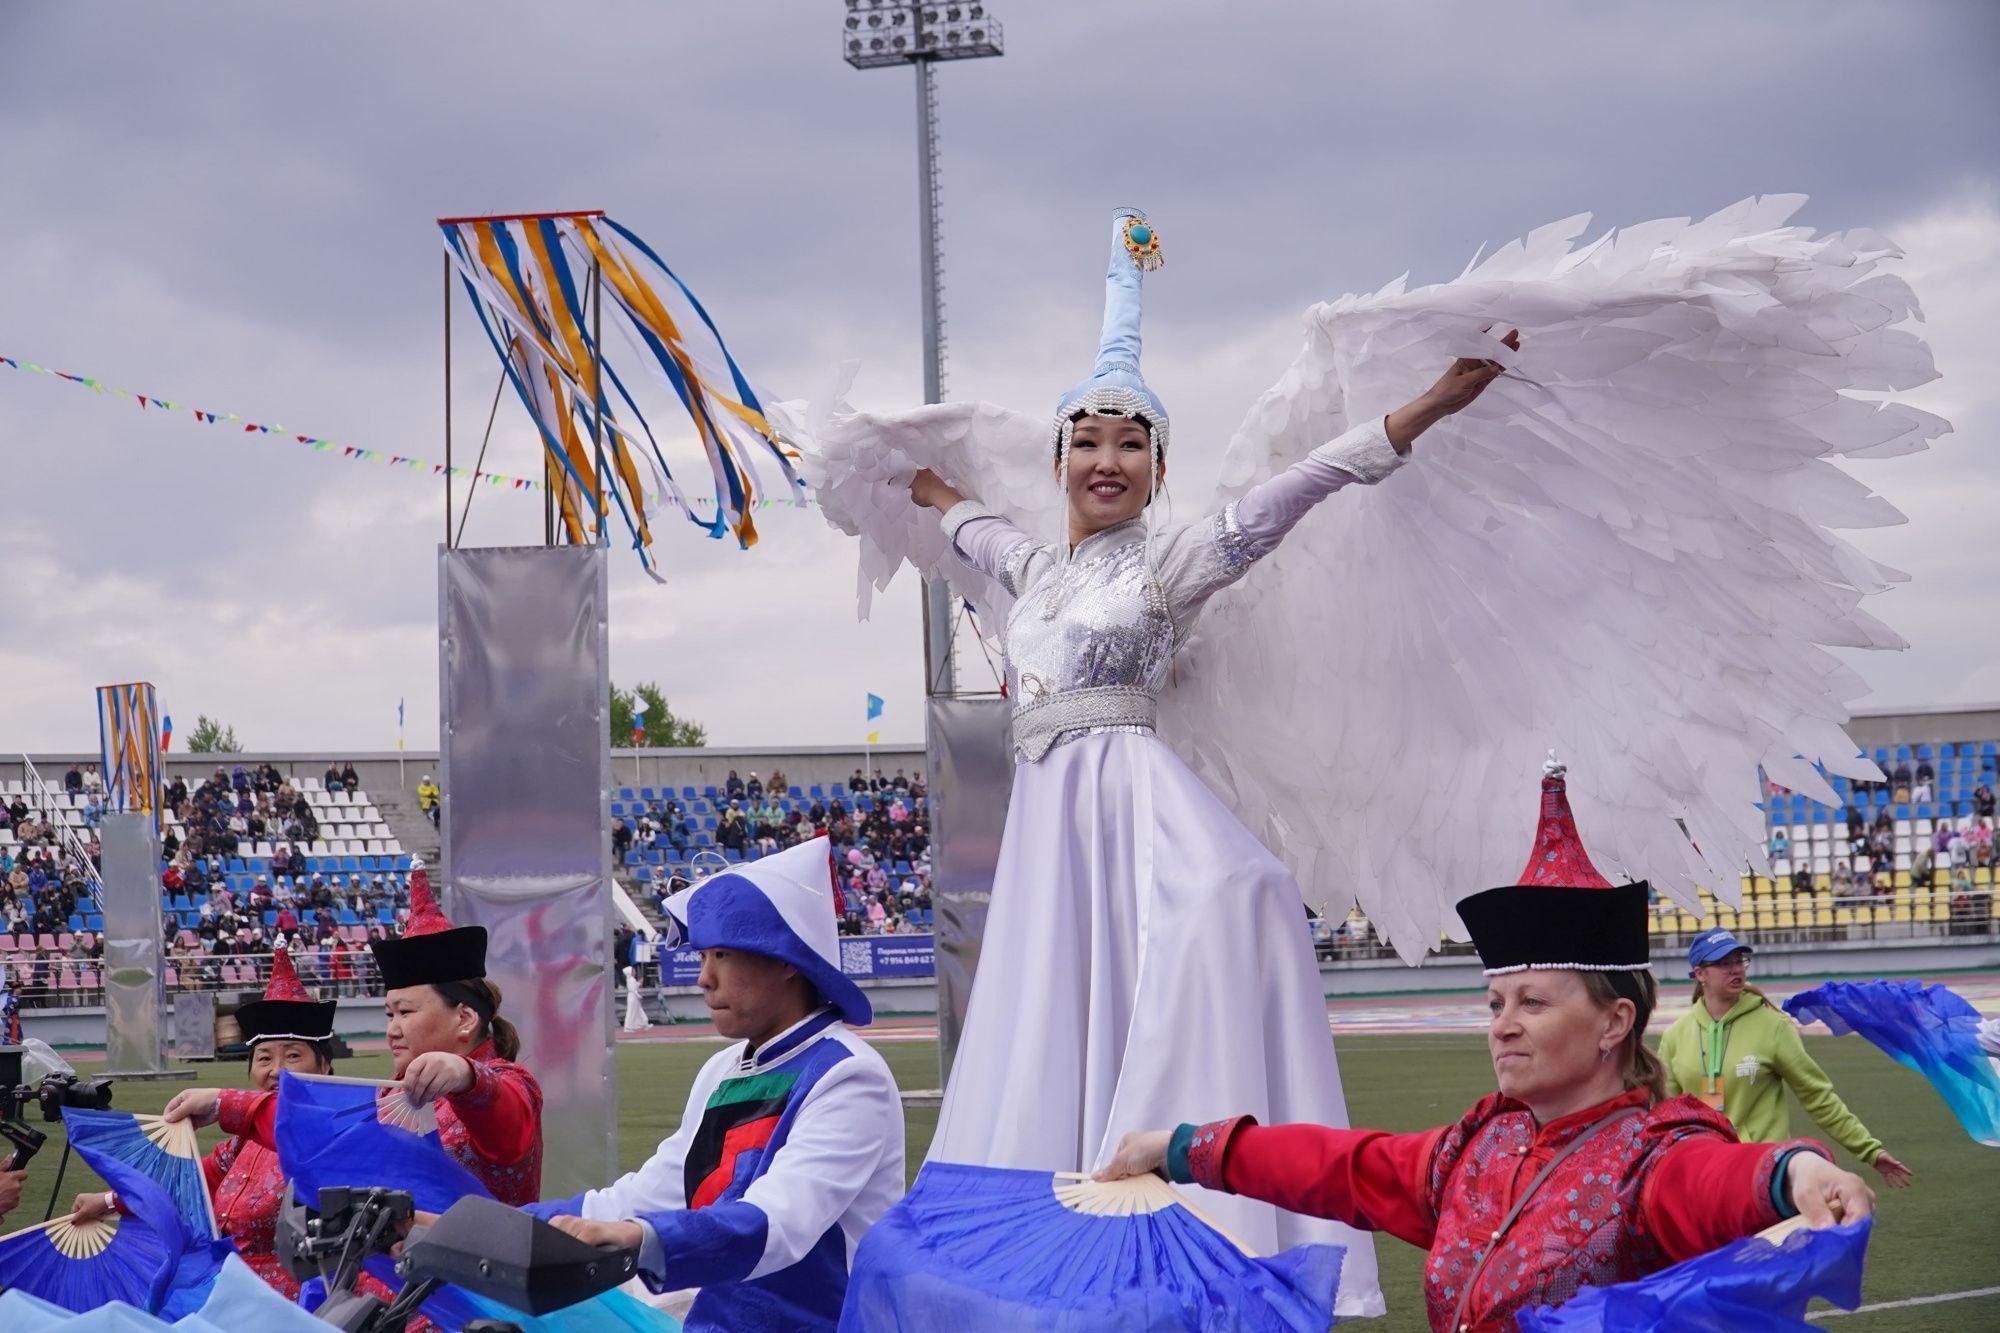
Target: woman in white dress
x=1141 y=946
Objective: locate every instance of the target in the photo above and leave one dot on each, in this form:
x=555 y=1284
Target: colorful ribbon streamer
x=531 y=279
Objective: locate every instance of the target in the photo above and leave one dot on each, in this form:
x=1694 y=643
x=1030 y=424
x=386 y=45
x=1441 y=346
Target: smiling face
x=1110 y=461
x=1547 y=1035
x=270 y=1058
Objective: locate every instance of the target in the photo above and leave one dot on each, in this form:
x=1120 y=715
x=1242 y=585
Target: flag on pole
x=874 y=707
x=639 y=707
x=874 y=738
x=399 y=724
x=166 y=732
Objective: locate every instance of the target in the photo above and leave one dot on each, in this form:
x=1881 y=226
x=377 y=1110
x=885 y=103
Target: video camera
x=55 y=1091
x=480 y=1245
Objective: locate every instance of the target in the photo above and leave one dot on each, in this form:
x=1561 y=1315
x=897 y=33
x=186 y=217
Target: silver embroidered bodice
x=1091 y=638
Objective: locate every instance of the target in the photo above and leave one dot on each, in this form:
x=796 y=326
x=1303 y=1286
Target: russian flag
x=166 y=732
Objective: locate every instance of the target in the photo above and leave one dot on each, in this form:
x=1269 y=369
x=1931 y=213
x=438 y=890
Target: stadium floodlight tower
x=881 y=33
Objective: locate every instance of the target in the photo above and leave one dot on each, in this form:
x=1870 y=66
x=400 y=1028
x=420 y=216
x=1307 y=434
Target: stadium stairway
x=410 y=825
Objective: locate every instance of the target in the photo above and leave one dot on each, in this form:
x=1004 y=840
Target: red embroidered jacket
x=247 y=1187
x=1646 y=1192
x=494 y=1127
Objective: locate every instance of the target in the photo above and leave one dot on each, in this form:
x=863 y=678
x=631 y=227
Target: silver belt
x=1038 y=727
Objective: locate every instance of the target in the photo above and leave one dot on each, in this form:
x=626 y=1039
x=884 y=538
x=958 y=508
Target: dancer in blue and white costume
x=1357 y=698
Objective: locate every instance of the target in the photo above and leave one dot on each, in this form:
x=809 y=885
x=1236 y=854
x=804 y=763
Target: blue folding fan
x=165 y=1150
x=132 y=1258
x=986 y=1250
x=1763 y=1282
x=1933 y=1030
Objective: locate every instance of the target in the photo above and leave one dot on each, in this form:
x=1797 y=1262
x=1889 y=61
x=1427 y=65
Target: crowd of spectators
x=878 y=825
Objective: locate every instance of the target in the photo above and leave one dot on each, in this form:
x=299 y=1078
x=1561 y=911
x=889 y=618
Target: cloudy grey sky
x=230 y=204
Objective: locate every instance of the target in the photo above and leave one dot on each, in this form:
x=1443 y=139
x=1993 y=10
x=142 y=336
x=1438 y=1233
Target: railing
x=66 y=835
x=1937 y=915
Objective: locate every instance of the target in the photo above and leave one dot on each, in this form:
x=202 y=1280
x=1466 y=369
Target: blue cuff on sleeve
x=572 y=1206
x=651 y=1257
x=1179 y=1169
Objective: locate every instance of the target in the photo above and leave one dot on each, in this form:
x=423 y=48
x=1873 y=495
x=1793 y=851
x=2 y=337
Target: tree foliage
x=212 y=737
x=662 y=726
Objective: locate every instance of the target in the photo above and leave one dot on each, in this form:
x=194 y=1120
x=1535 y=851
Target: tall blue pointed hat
x=781 y=906
x=1115 y=387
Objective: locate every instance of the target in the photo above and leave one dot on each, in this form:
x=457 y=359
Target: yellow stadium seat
x=1902 y=879
x=1688 y=925
x=1785 y=919
x=1822 y=916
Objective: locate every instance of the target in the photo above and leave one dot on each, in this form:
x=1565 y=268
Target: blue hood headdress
x=780 y=906
x=1115 y=387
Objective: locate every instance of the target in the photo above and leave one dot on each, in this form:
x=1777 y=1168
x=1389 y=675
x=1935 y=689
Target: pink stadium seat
x=45 y=941
x=173 y=976
x=64 y=940
x=6 y=943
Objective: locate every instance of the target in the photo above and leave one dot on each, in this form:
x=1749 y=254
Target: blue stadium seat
x=350 y=863
x=270 y=918
x=75 y=922
x=625 y=794
x=688 y=793
x=1902 y=752
x=1925 y=752
x=617 y=809
x=839 y=790
x=709 y=792
x=654 y=856
x=818 y=792
x=346 y=917
x=730 y=853
x=796 y=794
x=633 y=858
x=648 y=794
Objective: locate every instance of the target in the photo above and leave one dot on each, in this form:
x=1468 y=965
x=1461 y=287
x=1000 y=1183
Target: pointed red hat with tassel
x=431 y=951
x=1562 y=914
x=286 y=1013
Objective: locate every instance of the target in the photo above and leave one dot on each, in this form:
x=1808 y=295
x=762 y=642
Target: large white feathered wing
x=859 y=465
x=1623 y=551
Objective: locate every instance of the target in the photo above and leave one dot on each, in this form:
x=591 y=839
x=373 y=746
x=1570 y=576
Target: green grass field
x=1940 y=1236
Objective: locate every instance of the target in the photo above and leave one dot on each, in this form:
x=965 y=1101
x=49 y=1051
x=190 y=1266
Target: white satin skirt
x=1146 y=962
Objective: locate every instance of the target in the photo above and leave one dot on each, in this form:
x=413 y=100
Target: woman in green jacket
x=1736 y=1051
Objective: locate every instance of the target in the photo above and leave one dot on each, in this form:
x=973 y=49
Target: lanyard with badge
x=1711 y=1065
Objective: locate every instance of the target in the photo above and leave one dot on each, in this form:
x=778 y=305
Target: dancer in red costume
x=451 y=1046
x=1579 y=1171
x=287 y=1030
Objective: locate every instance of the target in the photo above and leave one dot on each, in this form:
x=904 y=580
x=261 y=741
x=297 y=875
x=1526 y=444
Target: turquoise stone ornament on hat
x=1115 y=387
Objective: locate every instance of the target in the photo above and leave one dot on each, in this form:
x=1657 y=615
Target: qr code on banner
x=857 y=958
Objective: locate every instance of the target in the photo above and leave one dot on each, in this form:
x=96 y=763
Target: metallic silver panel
x=194 y=1026
x=970 y=758
x=135 y=1018
x=526 y=770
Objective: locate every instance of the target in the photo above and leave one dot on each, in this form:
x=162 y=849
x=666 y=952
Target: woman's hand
x=202 y=1106
x=1824 y=1194
x=1137 y=1154
x=1455 y=390
x=436 y=1074
x=89 y=1207
x=622 y=1235
x=928 y=488
x=1893 y=1173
